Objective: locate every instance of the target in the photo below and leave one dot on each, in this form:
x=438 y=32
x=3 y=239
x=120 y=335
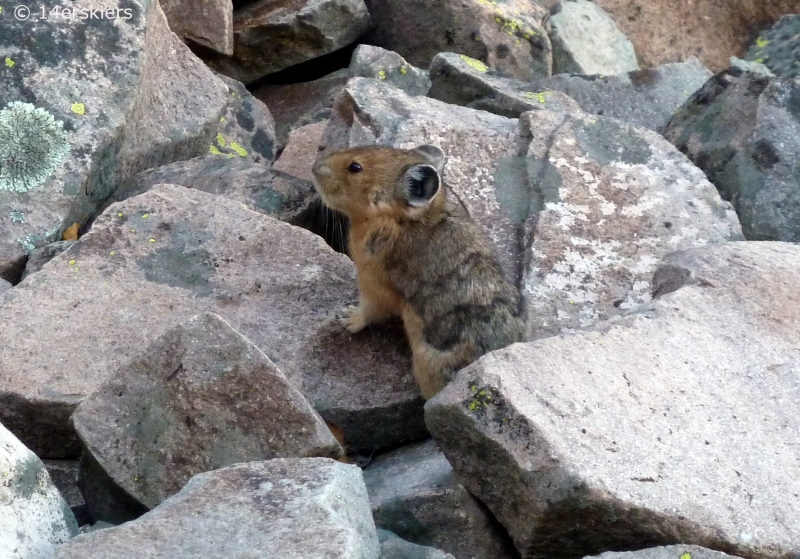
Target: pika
x=420 y=256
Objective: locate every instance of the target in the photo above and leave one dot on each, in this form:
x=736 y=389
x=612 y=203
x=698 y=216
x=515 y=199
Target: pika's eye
x=354 y=167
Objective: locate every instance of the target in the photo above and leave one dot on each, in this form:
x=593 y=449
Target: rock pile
x=174 y=376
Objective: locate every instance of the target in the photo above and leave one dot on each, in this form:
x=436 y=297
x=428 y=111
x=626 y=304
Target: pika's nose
x=321 y=170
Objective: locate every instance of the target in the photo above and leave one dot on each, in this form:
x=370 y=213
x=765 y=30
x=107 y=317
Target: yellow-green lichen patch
x=475 y=64
x=480 y=399
x=221 y=140
x=382 y=74
x=78 y=108
x=9 y=62
x=686 y=555
x=403 y=70
x=761 y=42
x=540 y=96
x=240 y=151
x=212 y=149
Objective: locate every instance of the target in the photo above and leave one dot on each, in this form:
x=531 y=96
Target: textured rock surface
x=611 y=200
x=743 y=131
x=198 y=398
x=34 y=518
x=508 y=35
x=667 y=552
x=208 y=23
x=641 y=432
x=382 y=64
x=4 y=285
x=587 y=41
x=298 y=156
x=292 y=508
x=156 y=103
x=270 y=36
x=258 y=187
x=41 y=256
x=393 y=547
x=247 y=128
x=778 y=48
x=64 y=474
x=153 y=261
x=415 y=494
x=461 y=80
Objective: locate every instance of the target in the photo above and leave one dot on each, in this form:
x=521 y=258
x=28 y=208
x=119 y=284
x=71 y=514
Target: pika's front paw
x=353 y=319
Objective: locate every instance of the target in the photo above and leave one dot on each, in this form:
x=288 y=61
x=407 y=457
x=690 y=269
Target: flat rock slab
x=198 y=398
x=666 y=552
x=743 y=130
x=152 y=262
x=292 y=508
x=415 y=494
x=270 y=36
x=155 y=104
x=641 y=432
x=34 y=518
x=587 y=41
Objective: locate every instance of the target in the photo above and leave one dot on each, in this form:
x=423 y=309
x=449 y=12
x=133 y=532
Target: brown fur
x=424 y=260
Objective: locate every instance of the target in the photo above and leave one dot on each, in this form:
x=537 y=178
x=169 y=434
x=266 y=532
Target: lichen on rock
x=32 y=145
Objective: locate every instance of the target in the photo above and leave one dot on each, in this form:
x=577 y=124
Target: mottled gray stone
x=208 y=23
x=153 y=261
x=64 y=474
x=510 y=36
x=129 y=95
x=385 y=65
x=257 y=186
x=778 y=48
x=34 y=518
x=415 y=494
x=675 y=423
x=587 y=41
x=393 y=547
x=288 y=508
x=198 y=398
x=4 y=285
x=666 y=552
x=41 y=256
x=301 y=149
x=743 y=130
x=271 y=36
x=749 y=66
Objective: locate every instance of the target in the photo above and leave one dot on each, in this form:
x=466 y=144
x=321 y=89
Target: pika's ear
x=420 y=184
x=433 y=154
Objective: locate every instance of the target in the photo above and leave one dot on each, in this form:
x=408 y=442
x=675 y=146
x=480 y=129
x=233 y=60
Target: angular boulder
x=209 y=24
x=415 y=494
x=382 y=64
x=743 y=130
x=778 y=48
x=289 y=508
x=587 y=41
x=673 y=424
x=155 y=260
x=508 y=35
x=301 y=150
x=198 y=398
x=78 y=127
x=270 y=36
x=34 y=518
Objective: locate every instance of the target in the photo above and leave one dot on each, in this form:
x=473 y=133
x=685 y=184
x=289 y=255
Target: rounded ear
x=433 y=154
x=420 y=184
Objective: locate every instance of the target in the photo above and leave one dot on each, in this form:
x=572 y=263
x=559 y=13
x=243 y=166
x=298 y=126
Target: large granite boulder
x=78 y=126
x=676 y=423
x=200 y=397
x=743 y=130
x=153 y=261
x=289 y=508
x=34 y=518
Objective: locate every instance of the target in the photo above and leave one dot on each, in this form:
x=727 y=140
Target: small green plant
x=32 y=145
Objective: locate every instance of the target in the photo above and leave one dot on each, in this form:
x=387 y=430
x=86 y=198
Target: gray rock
x=748 y=66
x=156 y=103
x=270 y=36
x=199 y=397
x=415 y=494
x=393 y=547
x=640 y=433
x=288 y=508
x=666 y=552
x=385 y=65
x=751 y=158
x=153 y=261
x=64 y=474
x=461 y=80
x=298 y=104
x=209 y=24
x=258 y=187
x=4 y=285
x=510 y=36
x=41 y=256
x=778 y=48
x=587 y=41
x=35 y=518
x=301 y=149
x=247 y=129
